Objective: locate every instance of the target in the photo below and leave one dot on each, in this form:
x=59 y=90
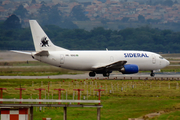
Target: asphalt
x=115 y=76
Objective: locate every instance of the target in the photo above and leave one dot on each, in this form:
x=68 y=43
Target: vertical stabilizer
x=41 y=40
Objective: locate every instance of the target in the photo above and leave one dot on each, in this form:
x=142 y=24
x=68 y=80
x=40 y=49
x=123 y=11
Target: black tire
x=152 y=74
x=92 y=74
x=106 y=74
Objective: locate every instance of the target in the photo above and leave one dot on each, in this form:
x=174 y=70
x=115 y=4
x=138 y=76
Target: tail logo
x=44 y=42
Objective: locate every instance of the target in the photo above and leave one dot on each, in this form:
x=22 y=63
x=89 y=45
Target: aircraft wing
x=116 y=65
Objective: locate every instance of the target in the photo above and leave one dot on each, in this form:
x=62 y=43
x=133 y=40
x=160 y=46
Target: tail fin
x=41 y=40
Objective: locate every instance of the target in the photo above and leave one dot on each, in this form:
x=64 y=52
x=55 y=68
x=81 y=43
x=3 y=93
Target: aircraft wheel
x=92 y=74
x=152 y=74
x=106 y=74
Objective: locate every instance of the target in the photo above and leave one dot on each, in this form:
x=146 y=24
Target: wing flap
x=115 y=65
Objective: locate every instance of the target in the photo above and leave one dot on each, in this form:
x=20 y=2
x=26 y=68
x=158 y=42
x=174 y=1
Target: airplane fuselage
x=88 y=60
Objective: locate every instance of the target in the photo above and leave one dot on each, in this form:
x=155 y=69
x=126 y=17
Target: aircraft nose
x=167 y=62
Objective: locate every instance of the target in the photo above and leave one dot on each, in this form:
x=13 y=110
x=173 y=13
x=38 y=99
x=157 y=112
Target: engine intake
x=130 y=69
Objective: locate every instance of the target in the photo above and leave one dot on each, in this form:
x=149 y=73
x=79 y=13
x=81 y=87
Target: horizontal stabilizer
x=42 y=53
x=28 y=53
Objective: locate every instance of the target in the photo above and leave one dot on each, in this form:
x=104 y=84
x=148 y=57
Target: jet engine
x=129 y=69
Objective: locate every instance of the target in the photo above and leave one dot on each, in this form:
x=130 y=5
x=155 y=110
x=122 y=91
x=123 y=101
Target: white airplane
x=98 y=62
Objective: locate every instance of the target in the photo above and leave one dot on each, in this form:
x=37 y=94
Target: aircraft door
x=153 y=59
x=62 y=59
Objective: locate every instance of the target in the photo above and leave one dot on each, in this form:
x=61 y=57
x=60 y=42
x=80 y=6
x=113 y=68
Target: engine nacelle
x=130 y=69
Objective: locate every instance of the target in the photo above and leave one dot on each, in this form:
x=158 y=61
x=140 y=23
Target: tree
x=168 y=3
x=44 y=14
x=73 y=1
x=175 y=2
x=104 y=21
x=42 y=2
x=153 y=20
x=125 y=19
x=21 y=11
x=77 y=13
x=33 y=2
x=150 y=2
x=44 y=9
x=12 y=22
x=68 y=24
x=54 y=15
x=141 y=18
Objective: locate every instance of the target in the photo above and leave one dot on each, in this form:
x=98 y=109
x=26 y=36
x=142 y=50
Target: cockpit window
x=161 y=57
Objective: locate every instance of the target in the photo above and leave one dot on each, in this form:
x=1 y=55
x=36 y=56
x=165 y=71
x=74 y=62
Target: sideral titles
x=135 y=55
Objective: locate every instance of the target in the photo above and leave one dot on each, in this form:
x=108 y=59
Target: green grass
x=41 y=71
x=25 y=63
x=169 y=116
x=34 y=71
x=32 y=68
x=114 y=108
x=138 y=98
x=171 y=69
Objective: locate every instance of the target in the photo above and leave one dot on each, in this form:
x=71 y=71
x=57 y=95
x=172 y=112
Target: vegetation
x=171 y=115
x=32 y=68
x=26 y=63
x=127 y=99
x=13 y=22
x=143 y=38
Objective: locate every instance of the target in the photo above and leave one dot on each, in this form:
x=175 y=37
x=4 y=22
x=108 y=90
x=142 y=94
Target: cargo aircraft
x=98 y=62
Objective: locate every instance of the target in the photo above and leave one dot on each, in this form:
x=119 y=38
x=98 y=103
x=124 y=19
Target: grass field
x=127 y=99
x=31 y=68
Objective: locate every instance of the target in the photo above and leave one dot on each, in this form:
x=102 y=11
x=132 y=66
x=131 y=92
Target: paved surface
x=158 y=76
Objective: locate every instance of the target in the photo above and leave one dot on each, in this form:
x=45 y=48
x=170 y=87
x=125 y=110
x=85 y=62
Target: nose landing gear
x=152 y=73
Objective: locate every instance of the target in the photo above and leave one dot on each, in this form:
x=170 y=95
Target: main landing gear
x=93 y=74
x=105 y=74
x=152 y=73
